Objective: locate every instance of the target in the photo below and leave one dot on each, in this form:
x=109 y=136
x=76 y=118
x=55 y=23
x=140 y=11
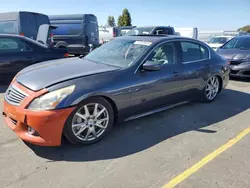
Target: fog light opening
x=32 y=131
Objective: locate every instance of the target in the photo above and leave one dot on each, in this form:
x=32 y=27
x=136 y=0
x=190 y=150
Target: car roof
x=228 y=36
x=155 y=38
x=153 y=26
x=243 y=36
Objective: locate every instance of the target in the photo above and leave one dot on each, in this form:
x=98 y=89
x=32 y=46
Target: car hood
x=235 y=54
x=42 y=75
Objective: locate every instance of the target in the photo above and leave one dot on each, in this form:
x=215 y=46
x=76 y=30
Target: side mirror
x=151 y=66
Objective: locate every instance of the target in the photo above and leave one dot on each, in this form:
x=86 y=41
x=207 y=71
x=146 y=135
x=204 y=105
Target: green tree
x=120 y=21
x=245 y=28
x=124 y=19
x=111 y=21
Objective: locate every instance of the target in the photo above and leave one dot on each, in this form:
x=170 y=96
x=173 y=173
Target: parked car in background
x=191 y=32
x=18 y=52
x=76 y=32
x=237 y=52
x=22 y=23
x=125 y=29
x=151 y=30
x=107 y=33
x=218 y=41
x=85 y=98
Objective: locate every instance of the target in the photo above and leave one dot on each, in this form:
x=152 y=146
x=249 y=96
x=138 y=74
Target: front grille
x=246 y=72
x=234 y=72
x=14 y=96
x=235 y=62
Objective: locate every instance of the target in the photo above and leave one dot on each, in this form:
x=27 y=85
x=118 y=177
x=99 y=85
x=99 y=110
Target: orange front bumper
x=47 y=124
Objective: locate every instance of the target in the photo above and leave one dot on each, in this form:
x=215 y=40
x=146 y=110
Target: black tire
x=62 y=47
x=205 y=98
x=68 y=132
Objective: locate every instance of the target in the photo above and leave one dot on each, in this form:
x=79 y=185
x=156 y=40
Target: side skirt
x=156 y=111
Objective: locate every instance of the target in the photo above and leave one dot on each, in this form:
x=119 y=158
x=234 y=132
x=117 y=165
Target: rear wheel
x=211 y=89
x=89 y=122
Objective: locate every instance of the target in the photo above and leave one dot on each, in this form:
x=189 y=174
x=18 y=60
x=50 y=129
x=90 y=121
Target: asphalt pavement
x=144 y=153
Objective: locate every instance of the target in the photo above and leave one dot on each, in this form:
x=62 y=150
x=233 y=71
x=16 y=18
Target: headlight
x=51 y=100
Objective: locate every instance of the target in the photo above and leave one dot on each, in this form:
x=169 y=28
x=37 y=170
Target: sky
x=203 y=14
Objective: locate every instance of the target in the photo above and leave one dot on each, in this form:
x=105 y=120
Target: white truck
x=191 y=32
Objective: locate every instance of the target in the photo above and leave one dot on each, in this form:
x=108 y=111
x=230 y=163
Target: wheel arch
x=106 y=97
x=221 y=82
x=61 y=44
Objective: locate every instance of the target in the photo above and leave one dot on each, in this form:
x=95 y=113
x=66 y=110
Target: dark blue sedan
x=126 y=78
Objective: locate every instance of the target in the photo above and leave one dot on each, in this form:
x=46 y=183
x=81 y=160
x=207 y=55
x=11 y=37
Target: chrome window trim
x=177 y=40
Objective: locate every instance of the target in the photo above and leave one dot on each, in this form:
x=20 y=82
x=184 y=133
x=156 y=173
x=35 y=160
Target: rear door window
x=12 y=45
x=192 y=52
x=8 y=27
x=67 y=29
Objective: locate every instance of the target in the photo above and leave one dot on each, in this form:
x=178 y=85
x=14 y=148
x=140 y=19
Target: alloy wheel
x=212 y=88
x=90 y=121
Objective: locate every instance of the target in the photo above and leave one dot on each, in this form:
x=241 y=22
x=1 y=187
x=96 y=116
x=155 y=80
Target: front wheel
x=211 y=89
x=90 y=121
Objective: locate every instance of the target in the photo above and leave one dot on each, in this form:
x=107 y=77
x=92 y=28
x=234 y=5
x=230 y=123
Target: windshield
x=8 y=27
x=238 y=43
x=119 y=52
x=140 y=31
x=219 y=40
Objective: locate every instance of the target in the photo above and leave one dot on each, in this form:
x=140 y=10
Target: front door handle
x=133 y=90
x=29 y=57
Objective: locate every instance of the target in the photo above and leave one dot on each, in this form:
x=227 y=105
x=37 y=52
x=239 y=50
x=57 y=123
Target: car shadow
x=141 y=134
x=237 y=79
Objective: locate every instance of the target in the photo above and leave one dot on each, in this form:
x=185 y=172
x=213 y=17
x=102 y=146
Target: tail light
x=21 y=33
x=114 y=32
x=51 y=37
x=66 y=55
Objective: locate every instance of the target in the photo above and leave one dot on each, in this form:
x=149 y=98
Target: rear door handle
x=175 y=73
x=29 y=57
